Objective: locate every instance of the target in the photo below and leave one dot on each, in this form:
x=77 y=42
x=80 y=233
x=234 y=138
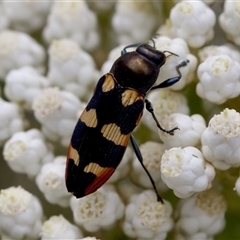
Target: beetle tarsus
x=149 y=107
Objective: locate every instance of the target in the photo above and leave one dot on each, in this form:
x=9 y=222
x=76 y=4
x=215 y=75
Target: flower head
x=21 y=214
x=98 y=210
x=219 y=79
x=59 y=227
x=220 y=140
x=201 y=215
x=146 y=218
x=26 y=152
x=192 y=21
x=185 y=171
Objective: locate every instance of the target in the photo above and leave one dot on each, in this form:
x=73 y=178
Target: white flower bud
x=165 y=29
x=72 y=20
x=145 y=218
x=100 y=209
x=57 y=227
x=51 y=182
x=131 y=18
x=112 y=57
x=152 y=153
x=164 y=103
x=220 y=140
x=10 y=119
x=23 y=85
x=17 y=50
x=201 y=216
x=185 y=171
x=213 y=50
x=26 y=16
x=192 y=21
x=64 y=55
x=20 y=214
x=177 y=46
x=219 y=79
x=229 y=20
x=57 y=111
x=189 y=133
x=26 y=152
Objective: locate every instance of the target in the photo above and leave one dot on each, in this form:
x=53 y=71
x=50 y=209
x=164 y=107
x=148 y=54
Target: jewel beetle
x=105 y=126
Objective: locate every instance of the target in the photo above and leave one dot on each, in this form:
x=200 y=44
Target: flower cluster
x=53 y=53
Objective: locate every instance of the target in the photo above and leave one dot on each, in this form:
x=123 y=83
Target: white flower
x=123 y=168
x=112 y=57
x=201 y=216
x=177 y=46
x=71 y=68
x=152 y=154
x=213 y=50
x=145 y=218
x=23 y=84
x=72 y=20
x=26 y=152
x=185 y=171
x=26 y=16
x=51 y=182
x=4 y=21
x=189 y=133
x=57 y=227
x=229 y=20
x=164 y=103
x=165 y=29
x=57 y=111
x=18 y=49
x=20 y=214
x=220 y=140
x=131 y=18
x=192 y=21
x=219 y=79
x=10 y=120
x=100 y=209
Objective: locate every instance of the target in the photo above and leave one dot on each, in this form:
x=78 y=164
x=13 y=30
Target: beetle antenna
x=171 y=53
x=129 y=46
x=170 y=81
x=153 y=41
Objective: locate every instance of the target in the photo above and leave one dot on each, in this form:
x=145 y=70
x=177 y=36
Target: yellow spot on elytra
x=108 y=84
x=112 y=132
x=130 y=96
x=96 y=169
x=73 y=154
x=89 y=117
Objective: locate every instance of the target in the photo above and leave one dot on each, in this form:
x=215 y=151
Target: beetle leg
x=170 y=81
x=140 y=159
x=149 y=107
